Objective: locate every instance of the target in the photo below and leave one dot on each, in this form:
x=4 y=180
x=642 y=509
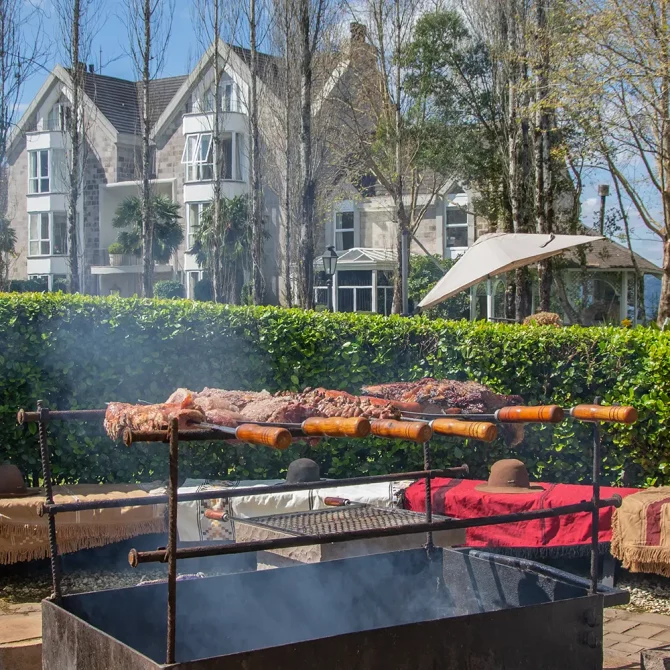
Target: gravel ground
x=648 y=593
x=31 y=582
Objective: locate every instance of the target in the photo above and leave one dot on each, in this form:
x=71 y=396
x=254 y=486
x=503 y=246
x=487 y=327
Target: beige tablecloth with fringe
x=24 y=535
x=641 y=531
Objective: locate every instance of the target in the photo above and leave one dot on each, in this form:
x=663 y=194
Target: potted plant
x=115 y=254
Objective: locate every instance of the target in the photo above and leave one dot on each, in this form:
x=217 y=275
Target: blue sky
x=109 y=56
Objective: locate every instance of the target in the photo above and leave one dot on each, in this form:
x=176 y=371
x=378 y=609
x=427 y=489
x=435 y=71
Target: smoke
x=239 y=613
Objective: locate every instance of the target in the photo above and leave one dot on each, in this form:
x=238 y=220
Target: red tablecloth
x=458 y=498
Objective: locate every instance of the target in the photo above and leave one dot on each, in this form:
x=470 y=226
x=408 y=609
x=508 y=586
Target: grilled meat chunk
x=149 y=417
x=442 y=394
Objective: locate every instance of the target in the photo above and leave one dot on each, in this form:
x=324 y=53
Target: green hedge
x=79 y=352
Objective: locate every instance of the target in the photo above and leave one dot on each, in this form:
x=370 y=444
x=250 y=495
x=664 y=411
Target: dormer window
x=229 y=98
x=59 y=117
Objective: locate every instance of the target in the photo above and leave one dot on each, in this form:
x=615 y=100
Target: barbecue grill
x=420 y=608
x=352 y=517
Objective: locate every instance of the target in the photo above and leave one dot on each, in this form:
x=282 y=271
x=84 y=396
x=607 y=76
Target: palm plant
x=224 y=247
x=168 y=233
x=7 y=249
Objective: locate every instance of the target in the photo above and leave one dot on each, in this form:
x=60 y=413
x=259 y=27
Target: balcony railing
x=101 y=257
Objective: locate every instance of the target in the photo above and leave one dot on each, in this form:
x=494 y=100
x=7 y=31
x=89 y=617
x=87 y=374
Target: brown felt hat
x=11 y=482
x=509 y=476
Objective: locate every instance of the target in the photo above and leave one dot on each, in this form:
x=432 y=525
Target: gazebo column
x=374 y=291
x=623 y=300
x=489 y=300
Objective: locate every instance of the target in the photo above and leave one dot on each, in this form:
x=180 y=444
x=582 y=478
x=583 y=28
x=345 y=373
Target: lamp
x=603 y=192
x=329 y=260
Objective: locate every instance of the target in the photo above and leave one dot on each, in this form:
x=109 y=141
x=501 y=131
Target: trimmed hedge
x=80 y=352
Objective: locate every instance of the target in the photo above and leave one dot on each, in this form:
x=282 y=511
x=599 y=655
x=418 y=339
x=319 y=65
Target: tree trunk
x=664 y=301
x=75 y=148
x=147 y=219
x=288 y=167
x=400 y=214
x=217 y=269
x=256 y=195
x=306 y=284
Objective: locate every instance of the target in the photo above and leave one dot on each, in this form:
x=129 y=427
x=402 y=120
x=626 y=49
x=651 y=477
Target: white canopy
x=497 y=253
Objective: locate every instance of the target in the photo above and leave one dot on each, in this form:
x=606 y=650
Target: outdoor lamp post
x=603 y=192
x=329 y=259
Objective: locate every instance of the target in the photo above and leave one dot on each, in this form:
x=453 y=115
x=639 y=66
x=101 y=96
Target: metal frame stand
x=43 y=414
x=595 y=515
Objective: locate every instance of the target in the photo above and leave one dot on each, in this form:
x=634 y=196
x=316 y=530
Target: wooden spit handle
x=336 y=502
x=418 y=431
x=277 y=438
x=356 y=426
x=539 y=414
x=215 y=515
x=477 y=430
x=624 y=414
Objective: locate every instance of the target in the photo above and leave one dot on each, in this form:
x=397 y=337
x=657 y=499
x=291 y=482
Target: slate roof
x=609 y=255
x=120 y=100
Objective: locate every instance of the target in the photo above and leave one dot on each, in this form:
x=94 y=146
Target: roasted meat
x=435 y=395
x=149 y=417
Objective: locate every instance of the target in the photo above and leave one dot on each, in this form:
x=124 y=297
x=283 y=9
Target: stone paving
x=626 y=634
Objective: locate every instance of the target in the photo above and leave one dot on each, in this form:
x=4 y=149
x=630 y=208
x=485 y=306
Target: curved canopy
x=497 y=253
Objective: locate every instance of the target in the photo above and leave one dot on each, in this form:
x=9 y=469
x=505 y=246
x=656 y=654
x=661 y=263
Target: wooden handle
x=277 y=438
x=539 y=414
x=336 y=426
x=624 y=414
x=477 y=430
x=335 y=502
x=215 y=515
x=417 y=431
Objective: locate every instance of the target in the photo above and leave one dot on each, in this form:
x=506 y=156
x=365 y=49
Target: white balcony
x=125 y=264
x=45 y=139
x=203 y=191
x=48 y=265
x=198 y=122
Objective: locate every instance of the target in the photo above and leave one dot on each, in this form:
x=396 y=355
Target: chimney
x=358 y=32
x=91 y=68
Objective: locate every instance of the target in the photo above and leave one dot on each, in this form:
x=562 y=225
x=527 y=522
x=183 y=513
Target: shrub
x=115 y=248
x=203 y=290
x=28 y=285
x=169 y=289
x=543 y=319
x=78 y=351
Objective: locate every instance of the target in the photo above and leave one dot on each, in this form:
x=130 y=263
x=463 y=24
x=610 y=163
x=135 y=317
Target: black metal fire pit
x=411 y=609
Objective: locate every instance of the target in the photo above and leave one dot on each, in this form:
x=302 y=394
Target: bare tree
x=216 y=19
x=149 y=25
x=388 y=128
x=22 y=49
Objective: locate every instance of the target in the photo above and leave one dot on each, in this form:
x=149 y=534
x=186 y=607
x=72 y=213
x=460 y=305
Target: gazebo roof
x=360 y=258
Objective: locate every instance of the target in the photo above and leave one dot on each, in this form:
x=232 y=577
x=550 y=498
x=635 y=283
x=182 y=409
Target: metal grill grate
x=341 y=519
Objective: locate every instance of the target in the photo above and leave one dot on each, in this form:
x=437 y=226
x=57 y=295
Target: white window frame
x=35 y=183
x=200 y=275
x=189 y=224
x=452 y=207
x=59 y=117
x=229 y=98
x=194 y=165
x=40 y=240
x=338 y=232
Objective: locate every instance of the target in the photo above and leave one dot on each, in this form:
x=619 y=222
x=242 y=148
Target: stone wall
x=128 y=162
x=17 y=212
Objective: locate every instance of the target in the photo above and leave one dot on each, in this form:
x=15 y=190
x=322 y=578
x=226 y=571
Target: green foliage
x=423 y=275
x=168 y=233
x=203 y=290
x=77 y=351
x=169 y=289
x=28 y=285
x=116 y=248
x=7 y=237
x=224 y=247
